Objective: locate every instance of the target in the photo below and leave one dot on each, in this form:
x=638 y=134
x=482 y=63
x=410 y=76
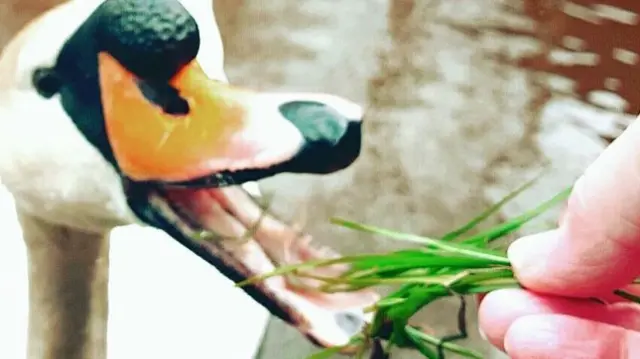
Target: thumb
x=597 y=245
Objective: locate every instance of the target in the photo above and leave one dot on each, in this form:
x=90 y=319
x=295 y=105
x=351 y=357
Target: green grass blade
x=628 y=296
x=490 y=211
x=401 y=262
x=495 y=256
x=420 y=345
x=516 y=223
x=325 y=353
x=451 y=347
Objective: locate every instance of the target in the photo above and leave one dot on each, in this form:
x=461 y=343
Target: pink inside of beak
x=263 y=243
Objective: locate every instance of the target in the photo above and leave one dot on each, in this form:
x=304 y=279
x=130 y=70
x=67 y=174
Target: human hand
x=594 y=250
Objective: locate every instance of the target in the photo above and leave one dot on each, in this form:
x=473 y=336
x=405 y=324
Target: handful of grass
x=454 y=265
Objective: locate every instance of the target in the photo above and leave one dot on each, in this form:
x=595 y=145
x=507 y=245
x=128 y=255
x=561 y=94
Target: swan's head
x=118 y=112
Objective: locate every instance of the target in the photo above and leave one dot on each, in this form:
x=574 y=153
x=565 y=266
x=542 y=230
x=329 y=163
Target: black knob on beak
x=152 y=39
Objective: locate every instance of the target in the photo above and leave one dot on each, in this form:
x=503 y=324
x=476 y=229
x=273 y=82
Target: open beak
x=185 y=148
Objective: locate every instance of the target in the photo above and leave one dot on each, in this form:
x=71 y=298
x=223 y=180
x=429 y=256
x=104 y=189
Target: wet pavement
x=450 y=127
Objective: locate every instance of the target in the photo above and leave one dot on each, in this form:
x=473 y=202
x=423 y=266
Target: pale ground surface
x=449 y=131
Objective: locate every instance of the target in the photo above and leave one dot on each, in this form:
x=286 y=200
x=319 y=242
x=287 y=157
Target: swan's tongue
x=260 y=242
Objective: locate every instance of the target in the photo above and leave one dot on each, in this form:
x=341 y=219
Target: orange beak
x=220 y=131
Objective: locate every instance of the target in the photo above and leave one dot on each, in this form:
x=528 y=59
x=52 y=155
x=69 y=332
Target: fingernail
x=528 y=254
x=482 y=334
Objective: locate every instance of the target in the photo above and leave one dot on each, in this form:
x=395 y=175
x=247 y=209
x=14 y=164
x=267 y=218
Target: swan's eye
x=46 y=81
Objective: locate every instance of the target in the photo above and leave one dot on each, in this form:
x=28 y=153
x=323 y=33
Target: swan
x=118 y=112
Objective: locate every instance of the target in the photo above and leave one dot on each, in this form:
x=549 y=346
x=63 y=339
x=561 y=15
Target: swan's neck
x=68 y=275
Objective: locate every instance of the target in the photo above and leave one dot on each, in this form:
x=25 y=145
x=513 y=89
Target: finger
x=495 y=318
x=554 y=336
x=597 y=244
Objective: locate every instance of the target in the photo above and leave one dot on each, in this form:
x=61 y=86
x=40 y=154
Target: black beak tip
x=333 y=139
